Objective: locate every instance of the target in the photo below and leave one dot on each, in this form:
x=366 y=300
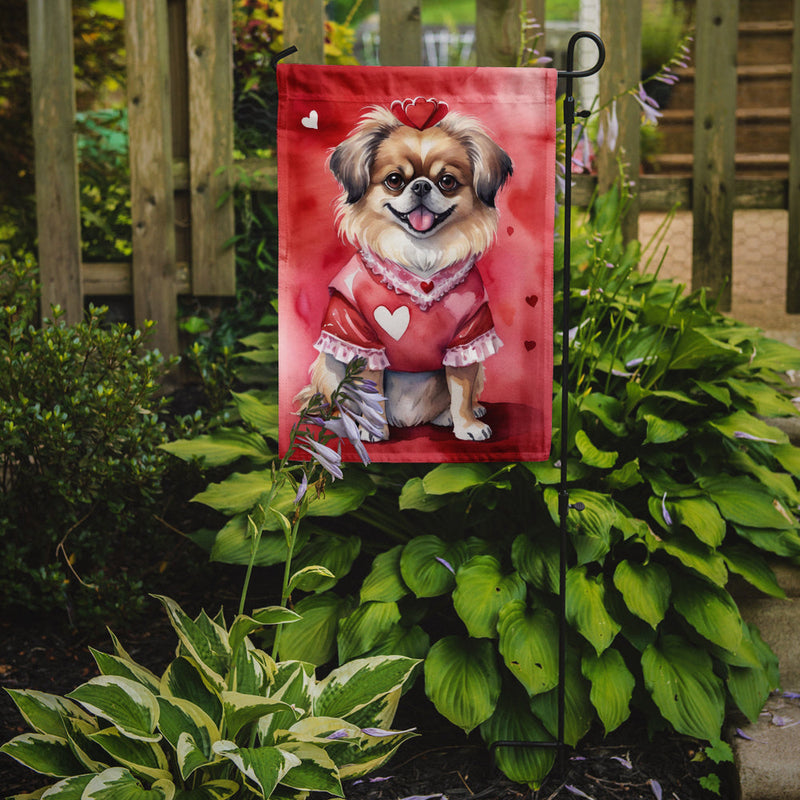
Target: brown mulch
x=46 y=655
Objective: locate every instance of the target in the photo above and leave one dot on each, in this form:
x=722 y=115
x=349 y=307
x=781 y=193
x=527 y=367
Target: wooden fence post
x=304 y=27
x=401 y=33
x=714 y=190
x=498 y=29
x=56 y=164
x=210 y=55
x=621 y=28
x=152 y=200
x=793 y=266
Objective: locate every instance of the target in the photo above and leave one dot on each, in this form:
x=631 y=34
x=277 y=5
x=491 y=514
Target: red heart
x=418 y=112
x=509 y=230
x=426 y=286
x=532 y=300
x=529 y=345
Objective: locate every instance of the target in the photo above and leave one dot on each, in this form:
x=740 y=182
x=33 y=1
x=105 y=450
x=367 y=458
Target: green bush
x=683 y=484
x=80 y=470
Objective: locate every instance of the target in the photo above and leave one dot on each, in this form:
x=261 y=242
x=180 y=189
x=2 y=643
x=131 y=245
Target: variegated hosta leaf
x=183 y=679
x=371 y=754
x=710 y=610
x=212 y=790
x=190 y=755
x=252 y=670
x=145 y=759
x=646 y=589
x=385 y=581
x=365 y=627
x=117 y=783
x=358 y=683
x=78 y=733
x=529 y=645
x=513 y=721
x=683 y=685
x=68 y=789
x=44 y=753
x=262 y=766
x=180 y=717
x=204 y=641
x=244 y=625
x=126 y=704
x=242 y=709
x=481 y=591
x=612 y=687
x=316 y=771
x=294 y=684
x=125 y=668
x=586 y=608
x=45 y=712
x=462 y=680
x=578 y=710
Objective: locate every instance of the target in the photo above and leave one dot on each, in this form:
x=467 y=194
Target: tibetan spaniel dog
x=418 y=205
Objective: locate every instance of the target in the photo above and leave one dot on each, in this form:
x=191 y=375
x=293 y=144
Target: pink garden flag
x=416 y=210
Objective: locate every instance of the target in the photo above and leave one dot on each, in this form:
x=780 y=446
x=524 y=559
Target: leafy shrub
x=79 y=430
x=683 y=484
x=222 y=717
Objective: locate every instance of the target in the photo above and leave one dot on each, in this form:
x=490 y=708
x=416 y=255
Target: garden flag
x=416 y=211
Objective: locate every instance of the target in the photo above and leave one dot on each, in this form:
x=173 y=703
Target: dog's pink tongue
x=421 y=219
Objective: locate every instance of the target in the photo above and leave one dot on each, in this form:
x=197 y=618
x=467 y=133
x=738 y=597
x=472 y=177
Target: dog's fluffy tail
x=324 y=378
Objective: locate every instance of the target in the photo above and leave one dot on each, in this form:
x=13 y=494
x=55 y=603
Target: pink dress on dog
x=394 y=319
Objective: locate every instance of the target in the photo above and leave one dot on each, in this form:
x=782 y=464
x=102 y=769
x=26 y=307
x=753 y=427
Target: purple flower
x=624 y=761
x=380 y=732
x=342 y=733
x=301 y=489
x=664 y=512
x=655 y=786
x=577 y=792
x=345 y=427
x=327 y=458
x=447 y=564
x=608 y=132
x=648 y=105
x=751 y=437
x=742 y=735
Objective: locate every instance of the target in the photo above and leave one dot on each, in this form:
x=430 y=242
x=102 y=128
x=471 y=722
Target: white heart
x=395 y=323
x=311 y=121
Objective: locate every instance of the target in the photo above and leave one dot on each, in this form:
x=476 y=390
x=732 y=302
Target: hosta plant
x=224 y=720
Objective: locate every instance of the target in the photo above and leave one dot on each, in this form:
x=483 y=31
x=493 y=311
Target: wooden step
x=763 y=42
x=767 y=165
x=754 y=10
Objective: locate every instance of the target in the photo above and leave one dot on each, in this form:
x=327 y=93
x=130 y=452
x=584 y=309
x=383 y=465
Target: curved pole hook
x=570 y=72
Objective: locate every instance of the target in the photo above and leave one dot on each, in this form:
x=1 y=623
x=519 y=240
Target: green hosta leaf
x=126 y=704
x=693 y=554
x=118 y=784
x=578 y=710
x=413 y=496
x=385 y=582
x=774 y=355
x=462 y=680
x=449 y=478
x=242 y=709
x=263 y=766
x=696 y=349
x=125 y=668
x=548 y=474
x=512 y=721
x=701 y=517
x=44 y=753
x=753 y=567
x=788 y=455
x=646 y=589
x=399 y=640
x=716 y=391
x=313 y=638
x=311 y=578
x=767 y=401
x=233 y=544
x=741 y=425
x=243 y=625
x=612 y=687
x=316 y=772
x=182 y=679
x=335 y=553
x=145 y=759
x=608 y=410
x=45 y=712
x=365 y=627
x=261 y=416
x=709 y=610
x=663 y=431
x=586 y=608
x=223 y=446
x=597 y=517
x=782 y=543
x=625 y=477
x=601 y=459
x=207 y=643
x=357 y=684
x=537 y=560
x=481 y=591
x=428 y=565
x=749 y=687
x=212 y=790
x=745 y=502
x=683 y=685
x=529 y=645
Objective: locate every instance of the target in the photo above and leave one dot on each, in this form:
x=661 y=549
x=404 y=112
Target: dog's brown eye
x=394 y=181
x=447 y=183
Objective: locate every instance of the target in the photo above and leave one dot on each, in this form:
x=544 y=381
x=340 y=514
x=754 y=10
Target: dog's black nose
x=421 y=188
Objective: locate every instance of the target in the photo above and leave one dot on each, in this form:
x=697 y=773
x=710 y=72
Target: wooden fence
x=180 y=91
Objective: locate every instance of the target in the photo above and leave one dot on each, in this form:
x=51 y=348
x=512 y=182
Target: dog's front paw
x=371 y=436
x=472 y=431
x=479 y=411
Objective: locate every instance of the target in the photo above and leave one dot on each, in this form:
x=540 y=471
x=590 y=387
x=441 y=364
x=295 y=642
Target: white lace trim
x=479 y=349
x=346 y=352
x=402 y=281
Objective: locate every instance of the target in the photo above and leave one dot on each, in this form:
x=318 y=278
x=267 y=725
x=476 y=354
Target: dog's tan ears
x=492 y=166
x=351 y=162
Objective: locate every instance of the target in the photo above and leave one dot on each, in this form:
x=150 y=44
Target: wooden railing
x=181 y=133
